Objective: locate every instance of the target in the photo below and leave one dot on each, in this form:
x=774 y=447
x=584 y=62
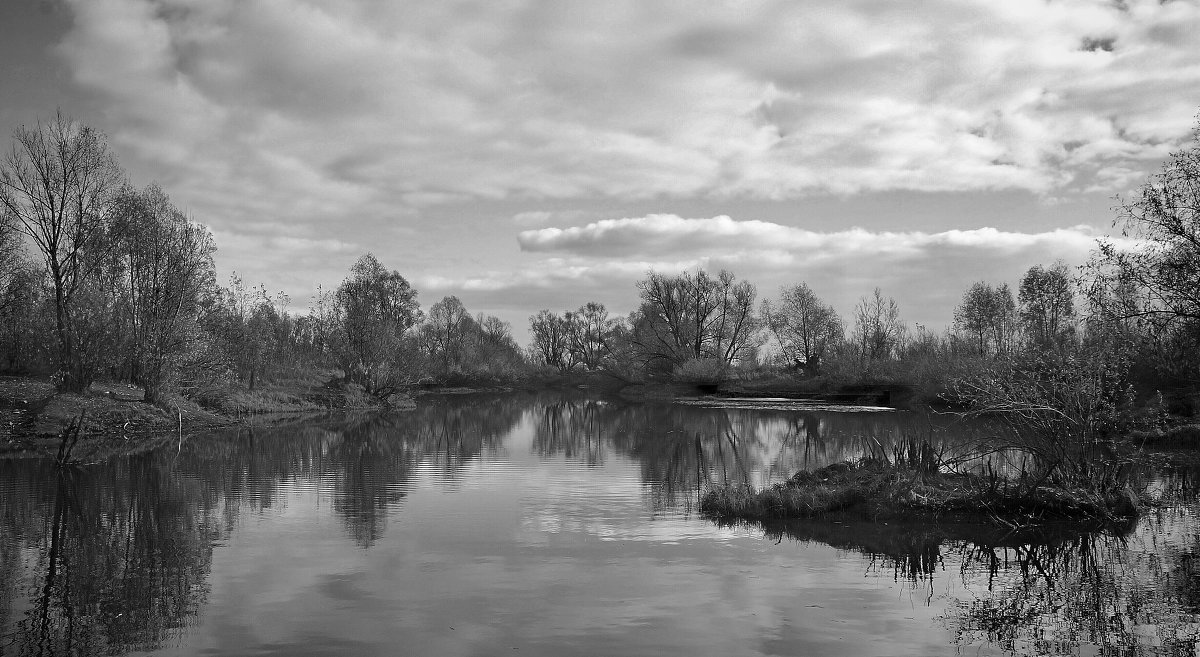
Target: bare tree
x=735 y=325
x=493 y=338
x=805 y=327
x=168 y=266
x=878 y=330
x=551 y=339
x=694 y=316
x=376 y=307
x=446 y=332
x=588 y=334
x=1155 y=287
x=988 y=314
x=55 y=187
x=1047 y=304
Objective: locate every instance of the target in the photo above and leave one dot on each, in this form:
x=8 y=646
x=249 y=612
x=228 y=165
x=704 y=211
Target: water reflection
x=372 y=460
x=118 y=557
x=1131 y=596
x=1132 y=590
x=122 y=554
x=684 y=448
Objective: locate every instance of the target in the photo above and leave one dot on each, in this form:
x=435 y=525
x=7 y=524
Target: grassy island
x=874 y=489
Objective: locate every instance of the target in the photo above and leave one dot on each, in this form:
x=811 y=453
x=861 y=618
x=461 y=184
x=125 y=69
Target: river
x=557 y=525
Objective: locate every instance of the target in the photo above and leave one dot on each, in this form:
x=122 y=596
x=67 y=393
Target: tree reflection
x=1131 y=590
x=373 y=460
x=1136 y=593
x=574 y=428
x=121 y=556
x=682 y=449
x=114 y=558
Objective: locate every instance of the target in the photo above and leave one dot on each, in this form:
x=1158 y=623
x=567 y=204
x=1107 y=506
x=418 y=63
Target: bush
x=701 y=371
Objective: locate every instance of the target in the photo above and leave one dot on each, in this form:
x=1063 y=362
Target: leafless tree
x=1047 y=304
x=589 y=329
x=695 y=316
x=56 y=185
x=878 y=330
x=550 y=333
x=805 y=326
x=168 y=266
x=446 y=332
x=376 y=308
x=988 y=314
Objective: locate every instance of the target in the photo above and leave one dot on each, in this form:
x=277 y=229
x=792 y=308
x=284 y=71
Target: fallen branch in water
x=69 y=437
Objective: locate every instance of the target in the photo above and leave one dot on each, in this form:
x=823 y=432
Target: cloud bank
x=664 y=234
x=347 y=124
x=927 y=272
x=385 y=105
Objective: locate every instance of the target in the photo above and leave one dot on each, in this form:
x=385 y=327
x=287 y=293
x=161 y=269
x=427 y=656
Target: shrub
x=701 y=371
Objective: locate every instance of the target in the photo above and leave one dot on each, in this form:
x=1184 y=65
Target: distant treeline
x=103 y=279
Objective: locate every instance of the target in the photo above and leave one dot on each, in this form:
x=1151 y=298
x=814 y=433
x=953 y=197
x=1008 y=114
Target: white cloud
x=927 y=272
x=664 y=234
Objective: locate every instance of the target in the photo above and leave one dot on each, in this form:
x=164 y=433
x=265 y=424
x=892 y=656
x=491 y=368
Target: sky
x=524 y=154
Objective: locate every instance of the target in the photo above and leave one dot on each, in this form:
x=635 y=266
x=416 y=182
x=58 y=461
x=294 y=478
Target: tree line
x=1127 y=322
x=103 y=279
x=696 y=322
x=100 y=278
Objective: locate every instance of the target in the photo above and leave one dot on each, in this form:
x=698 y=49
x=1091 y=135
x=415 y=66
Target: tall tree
x=1047 y=298
x=23 y=321
x=494 y=339
x=550 y=333
x=805 y=326
x=735 y=325
x=588 y=334
x=376 y=306
x=988 y=314
x=168 y=267
x=1157 y=283
x=11 y=253
x=55 y=187
x=878 y=329
x=446 y=332
x=694 y=316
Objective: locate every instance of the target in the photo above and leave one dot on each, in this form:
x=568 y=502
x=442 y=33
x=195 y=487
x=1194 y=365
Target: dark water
x=552 y=526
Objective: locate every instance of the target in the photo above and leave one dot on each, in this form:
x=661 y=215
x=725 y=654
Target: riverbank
x=33 y=415
x=874 y=490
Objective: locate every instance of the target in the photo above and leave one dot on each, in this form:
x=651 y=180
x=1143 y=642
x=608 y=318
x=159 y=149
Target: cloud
x=362 y=122
x=927 y=272
x=665 y=234
x=417 y=103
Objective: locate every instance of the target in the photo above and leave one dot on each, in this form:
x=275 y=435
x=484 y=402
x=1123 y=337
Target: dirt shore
x=33 y=416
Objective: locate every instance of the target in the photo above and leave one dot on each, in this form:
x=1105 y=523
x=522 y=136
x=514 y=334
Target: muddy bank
x=33 y=416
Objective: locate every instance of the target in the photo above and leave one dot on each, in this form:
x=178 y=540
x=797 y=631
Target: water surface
x=546 y=525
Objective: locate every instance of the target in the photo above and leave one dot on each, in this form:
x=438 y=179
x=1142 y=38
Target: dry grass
x=874 y=489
